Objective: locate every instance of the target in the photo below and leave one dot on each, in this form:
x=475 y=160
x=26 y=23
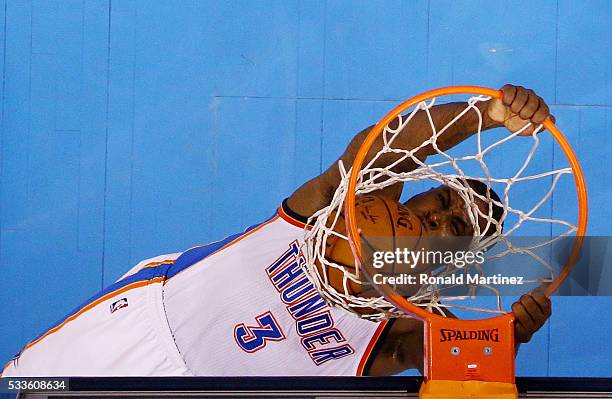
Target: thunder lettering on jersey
x=259 y=314
x=313 y=320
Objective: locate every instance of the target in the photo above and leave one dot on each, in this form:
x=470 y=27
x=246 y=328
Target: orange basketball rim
x=473 y=368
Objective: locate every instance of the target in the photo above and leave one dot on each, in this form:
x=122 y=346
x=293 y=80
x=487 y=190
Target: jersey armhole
x=288 y=215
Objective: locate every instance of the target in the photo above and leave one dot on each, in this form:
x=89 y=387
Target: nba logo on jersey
x=121 y=303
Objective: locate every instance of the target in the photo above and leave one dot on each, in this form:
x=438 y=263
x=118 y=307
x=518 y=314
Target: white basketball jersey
x=237 y=307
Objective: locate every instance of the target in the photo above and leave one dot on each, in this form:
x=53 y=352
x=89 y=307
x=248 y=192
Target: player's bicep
x=318 y=192
x=312 y=195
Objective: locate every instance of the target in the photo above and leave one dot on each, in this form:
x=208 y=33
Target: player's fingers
x=531 y=106
x=543 y=302
x=541 y=113
x=519 y=100
x=521 y=334
x=509 y=92
x=533 y=308
x=522 y=316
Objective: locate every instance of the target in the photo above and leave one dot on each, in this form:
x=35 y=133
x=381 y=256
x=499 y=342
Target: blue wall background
x=135 y=128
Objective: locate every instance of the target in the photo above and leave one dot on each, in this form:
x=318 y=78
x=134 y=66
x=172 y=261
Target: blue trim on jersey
x=195 y=255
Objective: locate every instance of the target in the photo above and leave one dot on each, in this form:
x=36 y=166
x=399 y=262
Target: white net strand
x=373 y=178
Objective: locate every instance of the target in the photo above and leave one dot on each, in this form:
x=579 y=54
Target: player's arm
x=401 y=349
x=518 y=106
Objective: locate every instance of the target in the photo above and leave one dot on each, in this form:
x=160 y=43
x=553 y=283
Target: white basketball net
x=373 y=178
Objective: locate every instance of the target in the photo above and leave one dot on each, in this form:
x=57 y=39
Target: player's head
x=443 y=212
x=387 y=225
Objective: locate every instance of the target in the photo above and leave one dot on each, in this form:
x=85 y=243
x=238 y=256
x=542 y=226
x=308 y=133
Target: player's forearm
x=464 y=127
x=419 y=130
x=317 y=193
x=399 y=353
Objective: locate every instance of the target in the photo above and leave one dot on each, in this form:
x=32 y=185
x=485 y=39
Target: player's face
x=442 y=213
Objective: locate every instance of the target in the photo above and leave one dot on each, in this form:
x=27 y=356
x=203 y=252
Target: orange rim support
x=349 y=206
x=460 y=350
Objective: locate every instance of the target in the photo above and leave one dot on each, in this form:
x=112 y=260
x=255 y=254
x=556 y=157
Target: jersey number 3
x=253 y=338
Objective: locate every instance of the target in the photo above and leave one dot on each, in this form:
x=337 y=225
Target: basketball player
x=245 y=305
